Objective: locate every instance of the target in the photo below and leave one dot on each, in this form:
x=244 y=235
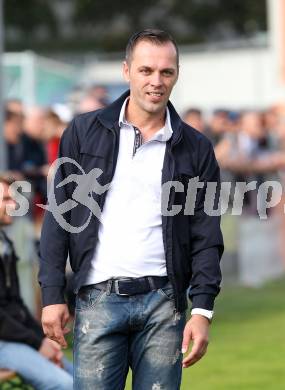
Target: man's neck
x=148 y=123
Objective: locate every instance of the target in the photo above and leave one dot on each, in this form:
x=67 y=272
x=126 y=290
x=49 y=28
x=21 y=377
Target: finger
x=65 y=319
x=47 y=327
x=198 y=351
x=60 y=339
x=66 y=330
x=55 y=345
x=193 y=361
x=59 y=336
x=187 y=336
x=59 y=356
x=48 y=332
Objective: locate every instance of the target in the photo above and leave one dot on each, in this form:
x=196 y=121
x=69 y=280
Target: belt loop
x=109 y=286
x=151 y=283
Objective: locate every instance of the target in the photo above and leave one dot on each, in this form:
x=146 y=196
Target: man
x=132 y=269
x=23 y=346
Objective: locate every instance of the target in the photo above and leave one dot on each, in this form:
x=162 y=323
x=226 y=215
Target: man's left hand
x=196 y=329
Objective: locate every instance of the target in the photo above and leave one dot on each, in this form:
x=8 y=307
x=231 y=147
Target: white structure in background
x=236 y=75
x=35 y=79
x=231 y=78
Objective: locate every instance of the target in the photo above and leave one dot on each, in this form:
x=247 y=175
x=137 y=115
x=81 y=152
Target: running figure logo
x=87 y=183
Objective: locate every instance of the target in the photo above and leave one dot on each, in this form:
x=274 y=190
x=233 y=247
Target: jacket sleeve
x=205 y=234
x=13 y=330
x=54 y=236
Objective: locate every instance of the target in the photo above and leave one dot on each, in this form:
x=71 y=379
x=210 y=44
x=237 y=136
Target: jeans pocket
x=87 y=298
x=167 y=291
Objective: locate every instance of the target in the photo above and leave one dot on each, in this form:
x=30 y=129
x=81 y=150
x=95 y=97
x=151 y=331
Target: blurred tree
x=222 y=19
x=190 y=20
x=106 y=24
x=107 y=10
x=29 y=15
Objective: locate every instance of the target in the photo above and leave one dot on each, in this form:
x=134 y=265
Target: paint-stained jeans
x=113 y=333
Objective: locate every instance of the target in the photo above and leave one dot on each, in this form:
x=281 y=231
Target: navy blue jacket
x=193 y=244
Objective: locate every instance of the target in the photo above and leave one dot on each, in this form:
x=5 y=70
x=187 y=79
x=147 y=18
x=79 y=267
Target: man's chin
x=155 y=108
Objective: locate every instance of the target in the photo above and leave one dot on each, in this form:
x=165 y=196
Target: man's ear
x=126 y=71
x=177 y=76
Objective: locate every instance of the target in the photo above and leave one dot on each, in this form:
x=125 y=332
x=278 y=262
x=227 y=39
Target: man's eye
x=145 y=71
x=168 y=73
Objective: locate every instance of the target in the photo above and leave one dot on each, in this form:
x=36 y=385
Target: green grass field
x=247 y=343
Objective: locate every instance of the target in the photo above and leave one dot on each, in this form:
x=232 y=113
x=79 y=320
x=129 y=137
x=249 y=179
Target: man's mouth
x=157 y=94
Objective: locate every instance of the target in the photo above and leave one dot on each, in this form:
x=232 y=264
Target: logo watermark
x=212 y=198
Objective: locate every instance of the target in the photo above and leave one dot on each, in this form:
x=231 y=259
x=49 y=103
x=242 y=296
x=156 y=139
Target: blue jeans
x=35 y=369
x=113 y=333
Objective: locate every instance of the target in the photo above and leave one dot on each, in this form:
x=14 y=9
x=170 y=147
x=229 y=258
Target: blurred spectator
x=270 y=118
x=100 y=93
x=94 y=99
x=35 y=160
x=252 y=136
x=23 y=346
x=194 y=118
x=33 y=137
x=15 y=105
x=251 y=143
x=218 y=125
x=56 y=120
x=13 y=123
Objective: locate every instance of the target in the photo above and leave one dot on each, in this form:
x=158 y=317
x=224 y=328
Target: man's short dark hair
x=157 y=37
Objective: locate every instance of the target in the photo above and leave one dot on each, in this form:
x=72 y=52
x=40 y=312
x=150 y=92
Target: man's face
x=152 y=72
x=6 y=202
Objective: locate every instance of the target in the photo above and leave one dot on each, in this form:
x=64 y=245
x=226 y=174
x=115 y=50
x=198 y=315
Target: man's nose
x=156 y=80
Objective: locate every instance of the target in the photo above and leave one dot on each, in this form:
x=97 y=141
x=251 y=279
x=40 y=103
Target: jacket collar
x=109 y=117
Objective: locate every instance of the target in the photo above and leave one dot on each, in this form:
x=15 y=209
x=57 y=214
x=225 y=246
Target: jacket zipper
x=167 y=224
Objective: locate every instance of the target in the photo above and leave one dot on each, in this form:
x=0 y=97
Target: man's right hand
x=54 y=320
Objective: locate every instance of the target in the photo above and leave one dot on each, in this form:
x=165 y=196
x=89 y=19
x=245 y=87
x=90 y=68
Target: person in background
x=56 y=120
x=33 y=128
x=35 y=161
x=13 y=125
x=93 y=99
x=100 y=93
x=193 y=117
x=23 y=346
x=15 y=105
x=218 y=125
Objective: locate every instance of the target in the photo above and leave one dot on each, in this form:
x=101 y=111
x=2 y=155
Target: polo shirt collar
x=162 y=135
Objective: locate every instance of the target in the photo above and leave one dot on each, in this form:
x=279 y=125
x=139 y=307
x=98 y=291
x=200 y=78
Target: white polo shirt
x=130 y=240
